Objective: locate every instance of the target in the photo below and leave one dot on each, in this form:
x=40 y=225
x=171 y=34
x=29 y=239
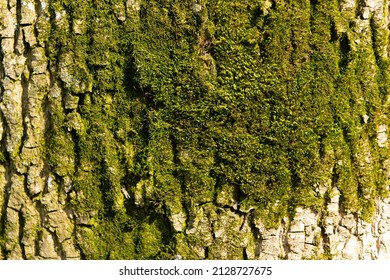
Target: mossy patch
x=178 y=106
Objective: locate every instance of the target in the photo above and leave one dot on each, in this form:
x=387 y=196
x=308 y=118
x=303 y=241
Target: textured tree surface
x=194 y=129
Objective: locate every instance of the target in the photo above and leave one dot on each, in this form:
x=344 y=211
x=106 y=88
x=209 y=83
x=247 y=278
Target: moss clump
x=177 y=103
x=2 y=158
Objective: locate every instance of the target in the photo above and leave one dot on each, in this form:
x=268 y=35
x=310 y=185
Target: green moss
x=61 y=156
x=2 y=158
x=175 y=105
x=184 y=248
x=149 y=241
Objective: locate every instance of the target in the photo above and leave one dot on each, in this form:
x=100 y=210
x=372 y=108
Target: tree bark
x=195 y=129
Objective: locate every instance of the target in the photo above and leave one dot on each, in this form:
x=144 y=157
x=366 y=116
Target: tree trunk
x=194 y=129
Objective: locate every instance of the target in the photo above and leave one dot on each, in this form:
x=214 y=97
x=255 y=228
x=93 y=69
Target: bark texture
x=194 y=129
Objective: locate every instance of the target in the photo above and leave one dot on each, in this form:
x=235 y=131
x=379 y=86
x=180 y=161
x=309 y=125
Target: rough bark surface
x=196 y=129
